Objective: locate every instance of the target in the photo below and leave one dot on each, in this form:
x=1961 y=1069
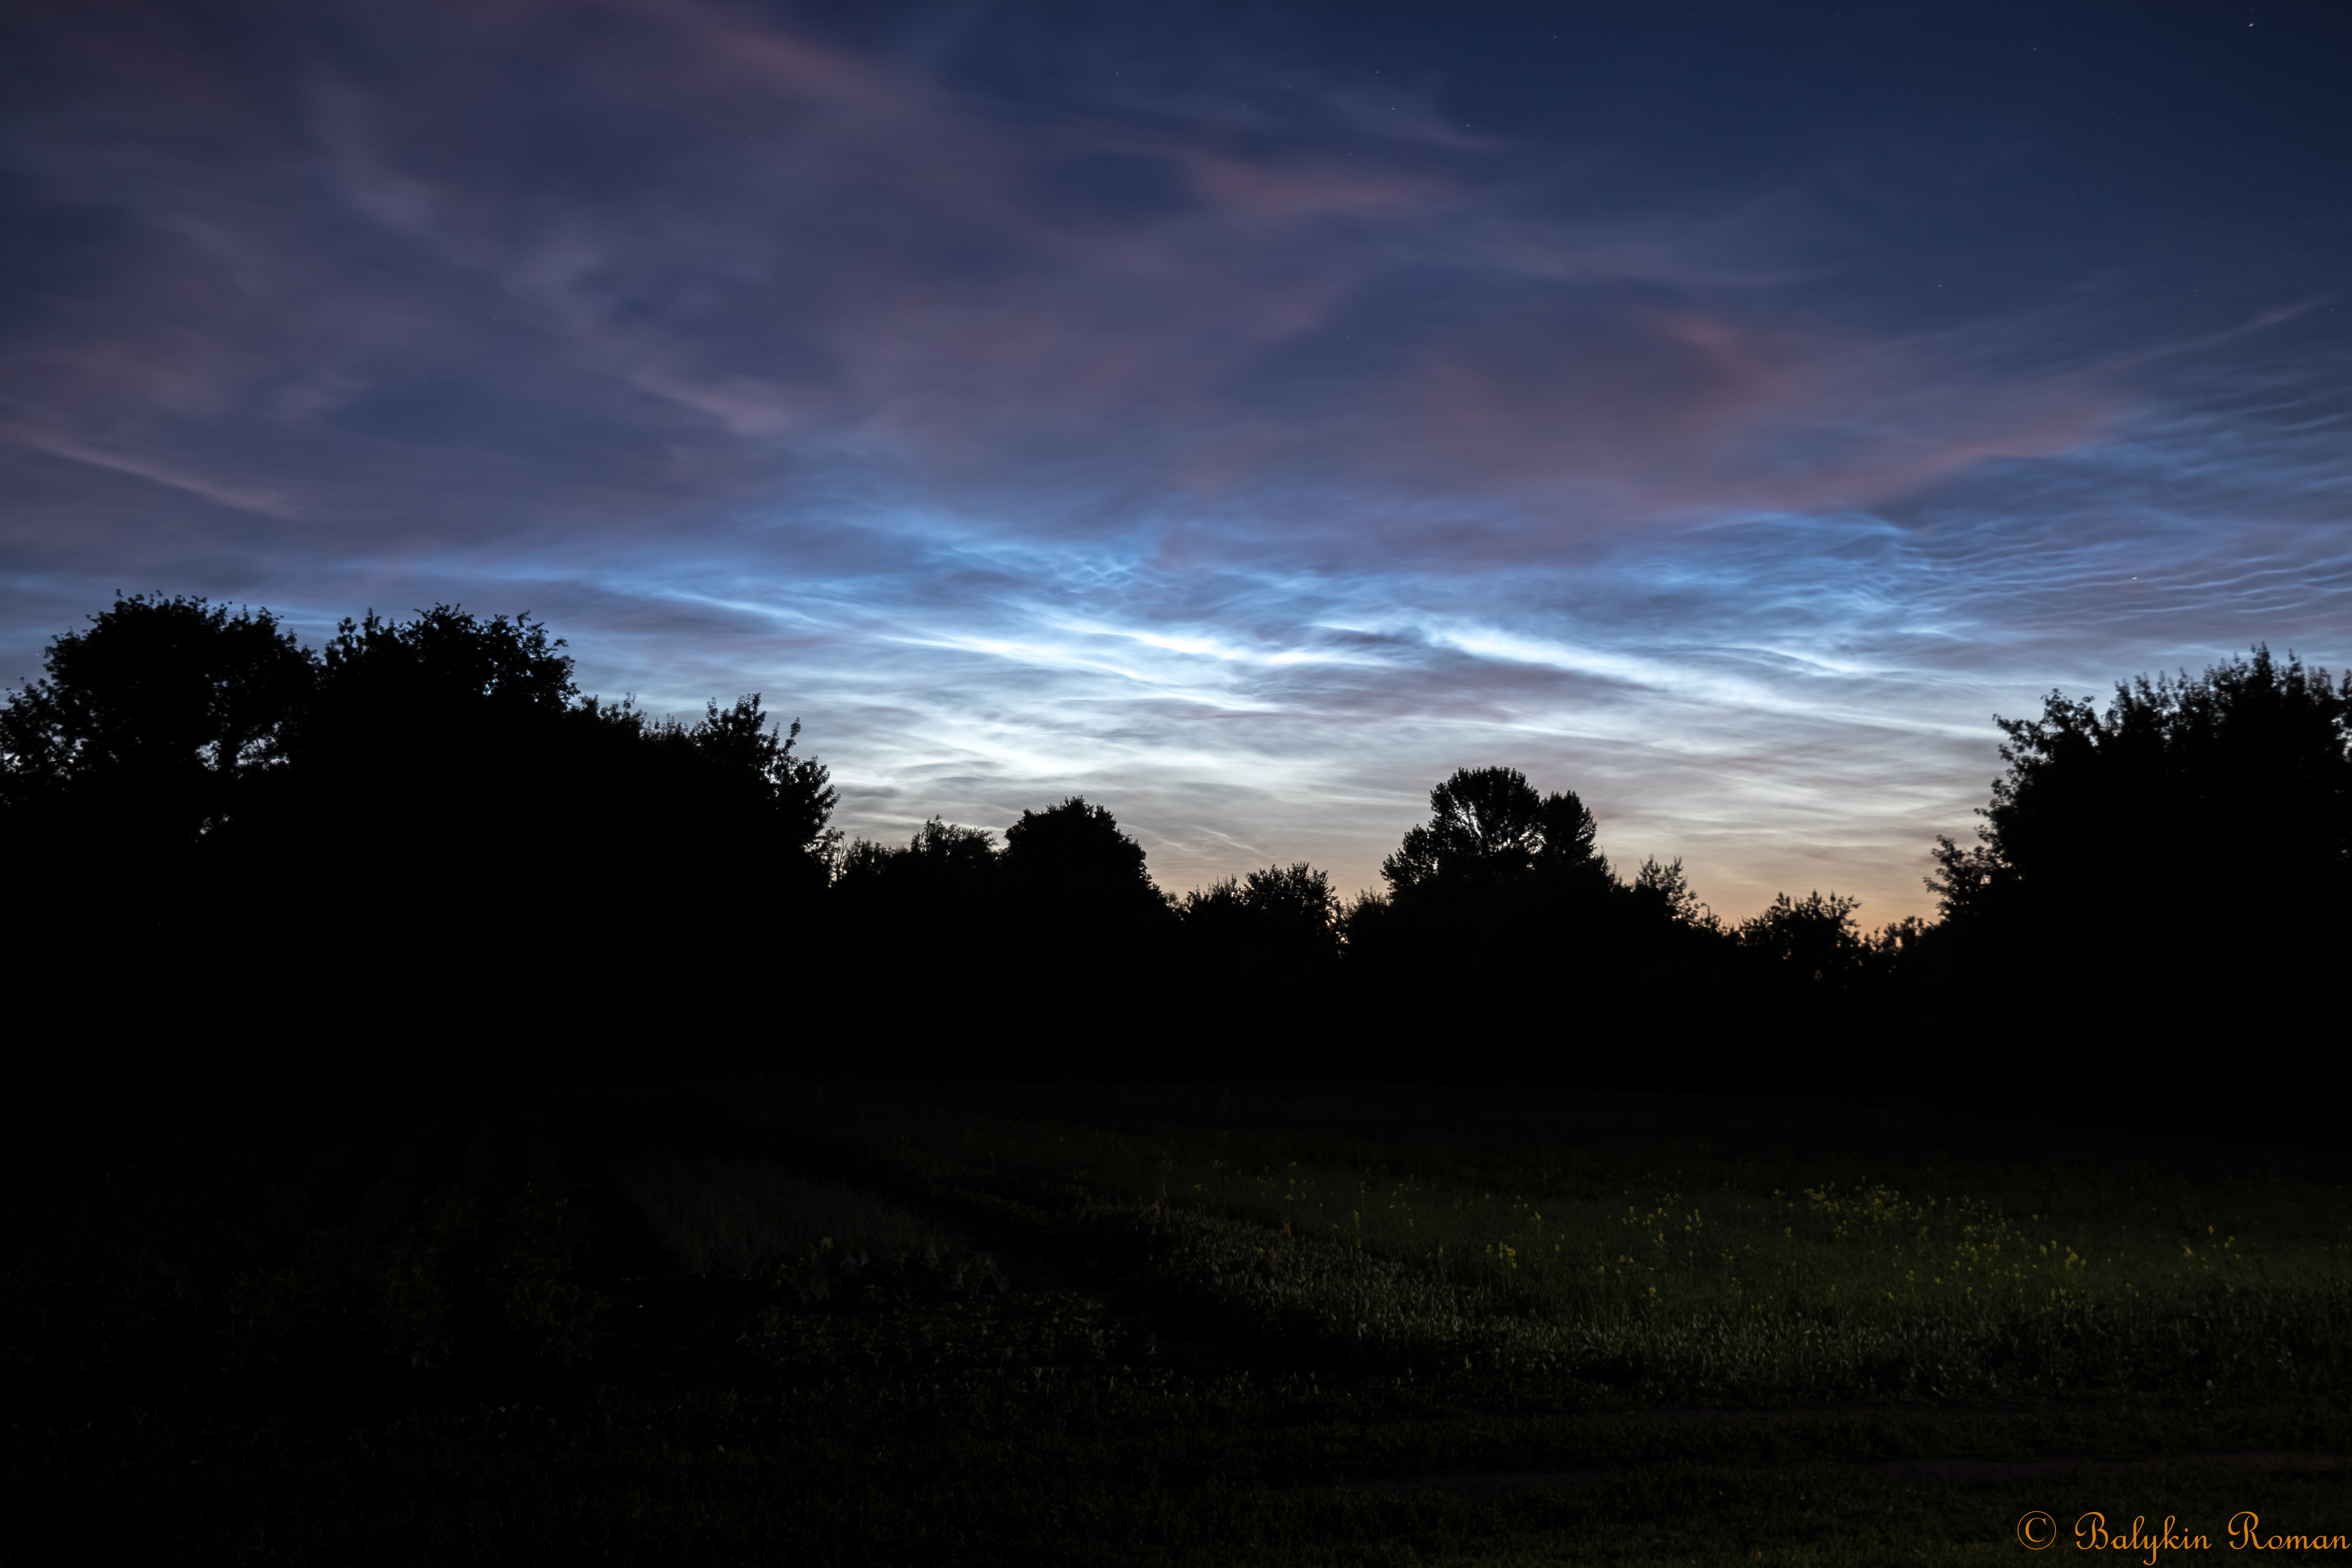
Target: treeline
x=422 y=832
x=421 y=827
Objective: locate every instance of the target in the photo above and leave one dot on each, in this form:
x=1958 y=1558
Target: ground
x=758 y=1317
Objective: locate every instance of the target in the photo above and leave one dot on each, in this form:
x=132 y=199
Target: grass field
x=762 y=1321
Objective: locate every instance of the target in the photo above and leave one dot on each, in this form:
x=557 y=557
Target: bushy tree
x=1570 y=836
x=1073 y=857
x=920 y=931
x=941 y=882
x=1663 y=890
x=432 y=747
x=445 y=667
x=1810 y=940
x=1488 y=826
x=939 y=850
x=1296 y=900
x=1506 y=932
x=153 y=723
x=2232 y=788
x=735 y=771
x=419 y=821
x=1280 y=919
x=1260 y=967
x=2182 y=856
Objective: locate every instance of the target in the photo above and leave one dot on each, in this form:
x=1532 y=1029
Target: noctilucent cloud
x=1240 y=414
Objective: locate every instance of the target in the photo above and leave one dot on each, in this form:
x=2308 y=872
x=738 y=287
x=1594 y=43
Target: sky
x=1241 y=414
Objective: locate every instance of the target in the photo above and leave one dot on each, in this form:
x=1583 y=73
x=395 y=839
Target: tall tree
x=1487 y=825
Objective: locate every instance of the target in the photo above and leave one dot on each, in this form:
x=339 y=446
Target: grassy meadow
x=760 y=1320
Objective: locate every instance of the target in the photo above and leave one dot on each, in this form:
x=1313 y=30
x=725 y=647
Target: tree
x=1812 y=941
x=2184 y=853
x=1488 y=826
x=1279 y=919
x=749 y=757
x=1084 y=932
x=1663 y=890
x=1571 y=836
x=2235 y=785
x=1073 y=857
x=153 y=723
x=385 y=685
x=420 y=820
x=919 y=933
x=1296 y=901
x=734 y=773
x=939 y=883
x=940 y=851
x=1262 y=968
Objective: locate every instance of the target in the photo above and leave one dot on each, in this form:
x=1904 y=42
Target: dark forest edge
x=423 y=834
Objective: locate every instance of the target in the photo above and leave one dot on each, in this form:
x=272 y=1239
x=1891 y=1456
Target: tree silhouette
x=425 y=821
x=1507 y=934
x=1073 y=857
x=1261 y=968
x=749 y=757
x=937 y=895
x=1661 y=889
x=431 y=746
x=1088 y=934
x=1487 y=825
x=1281 y=922
x=919 y=933
x=454 y=830
x=2212 y=811
x=2239 y=779
x=1571 y=836
x=151 y=726
x=941 y=862
x=1812 y=941
x=443 y=667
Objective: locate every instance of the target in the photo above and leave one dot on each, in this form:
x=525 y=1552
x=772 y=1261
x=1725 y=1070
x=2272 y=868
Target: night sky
x=1241 y=414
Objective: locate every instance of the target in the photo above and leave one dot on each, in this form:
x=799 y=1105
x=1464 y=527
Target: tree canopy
x=425 y=812
x=1073 y=857
x=421 y=813
x=2205 y=814
x=1487 y=825
x=154 y=722
x=2231 y=789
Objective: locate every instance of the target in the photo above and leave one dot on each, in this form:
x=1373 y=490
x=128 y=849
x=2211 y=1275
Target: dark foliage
x=419 y=830
x=1262 y=957
x=1071 y=865
x=151 y=728
x=1488 y=826
x=917 y=936
x=2180 y=863
x=423 y=829
x=1088 y=932
x=1508 y=944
